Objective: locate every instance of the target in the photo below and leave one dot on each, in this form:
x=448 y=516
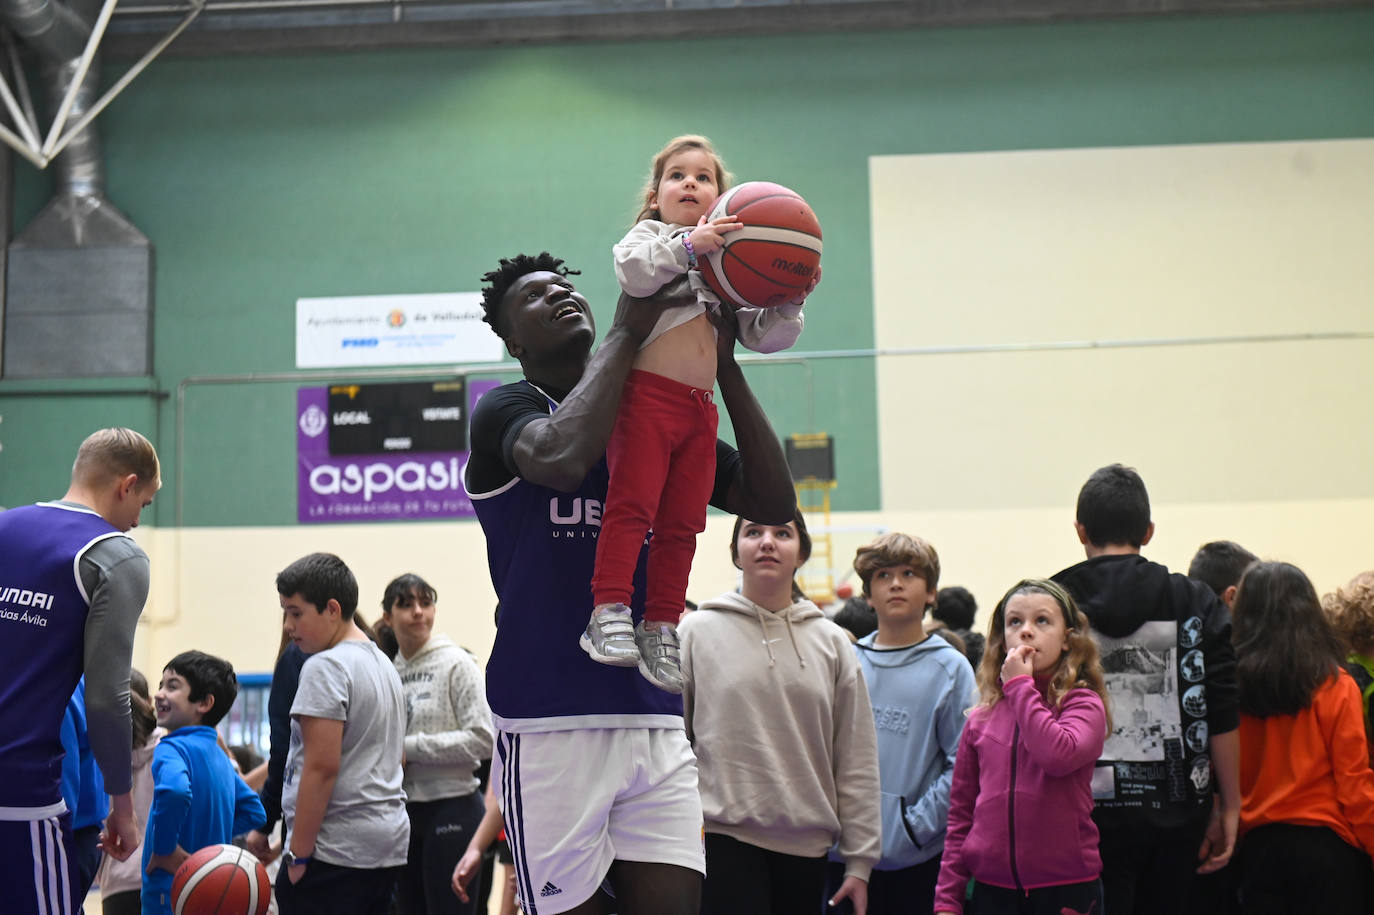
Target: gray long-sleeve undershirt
x=116 y=575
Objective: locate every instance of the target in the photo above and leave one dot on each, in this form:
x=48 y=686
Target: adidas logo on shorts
x=549 y=890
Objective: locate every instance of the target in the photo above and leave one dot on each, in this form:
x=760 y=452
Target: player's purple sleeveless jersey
x=43 y=608
x=541 y=546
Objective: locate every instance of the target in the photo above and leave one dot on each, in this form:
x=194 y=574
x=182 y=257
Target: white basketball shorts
x=574 y=801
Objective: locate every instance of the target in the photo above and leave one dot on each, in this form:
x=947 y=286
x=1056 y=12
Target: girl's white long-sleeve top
x=651 y=260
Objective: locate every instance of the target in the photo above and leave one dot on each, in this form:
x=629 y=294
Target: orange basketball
x=221 y=880
x=773 y=258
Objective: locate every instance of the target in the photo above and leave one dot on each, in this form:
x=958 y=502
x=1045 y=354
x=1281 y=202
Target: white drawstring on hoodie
x=763 y=626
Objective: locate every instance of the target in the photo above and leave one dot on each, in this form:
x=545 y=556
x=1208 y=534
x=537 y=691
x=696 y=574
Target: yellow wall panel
x=1160 y=249
x=1089 y=244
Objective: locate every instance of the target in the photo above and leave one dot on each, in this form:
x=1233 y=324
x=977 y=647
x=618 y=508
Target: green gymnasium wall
x=264 y=179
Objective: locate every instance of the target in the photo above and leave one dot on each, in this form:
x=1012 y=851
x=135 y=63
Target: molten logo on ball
x=796 y=267
x=773 y=258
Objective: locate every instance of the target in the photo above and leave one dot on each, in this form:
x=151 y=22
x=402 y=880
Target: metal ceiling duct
x=79 y=297
x=263 y=26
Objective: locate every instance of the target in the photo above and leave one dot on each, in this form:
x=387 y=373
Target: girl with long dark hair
x=1307 y=792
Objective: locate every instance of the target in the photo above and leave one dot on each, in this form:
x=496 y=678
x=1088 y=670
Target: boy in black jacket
x=1166 y=649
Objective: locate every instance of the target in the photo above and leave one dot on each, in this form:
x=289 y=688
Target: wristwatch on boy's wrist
x=290 y=859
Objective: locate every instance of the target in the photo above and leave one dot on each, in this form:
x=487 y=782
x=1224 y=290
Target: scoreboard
x=395 y=418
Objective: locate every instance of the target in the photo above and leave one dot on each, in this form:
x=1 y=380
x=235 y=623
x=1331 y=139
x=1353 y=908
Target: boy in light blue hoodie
x=920 y=687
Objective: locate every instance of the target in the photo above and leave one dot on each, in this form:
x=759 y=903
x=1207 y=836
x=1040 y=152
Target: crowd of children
x=1135 y=740
x=953 y=795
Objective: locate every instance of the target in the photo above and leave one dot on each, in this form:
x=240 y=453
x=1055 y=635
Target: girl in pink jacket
x=1020 y=814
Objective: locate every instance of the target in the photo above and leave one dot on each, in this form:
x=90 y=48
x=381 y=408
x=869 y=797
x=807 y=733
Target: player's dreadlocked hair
x=511 y=269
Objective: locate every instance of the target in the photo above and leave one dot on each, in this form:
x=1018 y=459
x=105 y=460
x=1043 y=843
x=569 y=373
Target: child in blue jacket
x=198 y=798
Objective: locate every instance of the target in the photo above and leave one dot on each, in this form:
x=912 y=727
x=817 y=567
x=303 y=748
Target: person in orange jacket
x=1307 y=791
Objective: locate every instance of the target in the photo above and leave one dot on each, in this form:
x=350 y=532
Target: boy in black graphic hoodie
x=1166 y=649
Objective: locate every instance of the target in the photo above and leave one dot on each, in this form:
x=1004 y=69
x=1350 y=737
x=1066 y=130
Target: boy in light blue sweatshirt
x=198 y=798
x=920 y=687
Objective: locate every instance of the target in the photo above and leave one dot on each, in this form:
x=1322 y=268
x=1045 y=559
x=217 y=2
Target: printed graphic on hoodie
x=1146 y=746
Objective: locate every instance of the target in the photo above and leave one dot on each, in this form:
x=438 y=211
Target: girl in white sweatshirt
x=448 y=734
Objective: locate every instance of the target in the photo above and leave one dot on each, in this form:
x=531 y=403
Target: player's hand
x=257 y=842
x=1220 y=839
x=856 y=891
x=710 y=234
x=801 y=297
x=636 y=317
x=468 y=865
x=295 y=872
x=1018 y=663
x=1213 y=836
x=168 y=862
x=121 y=835
x=726 y=322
